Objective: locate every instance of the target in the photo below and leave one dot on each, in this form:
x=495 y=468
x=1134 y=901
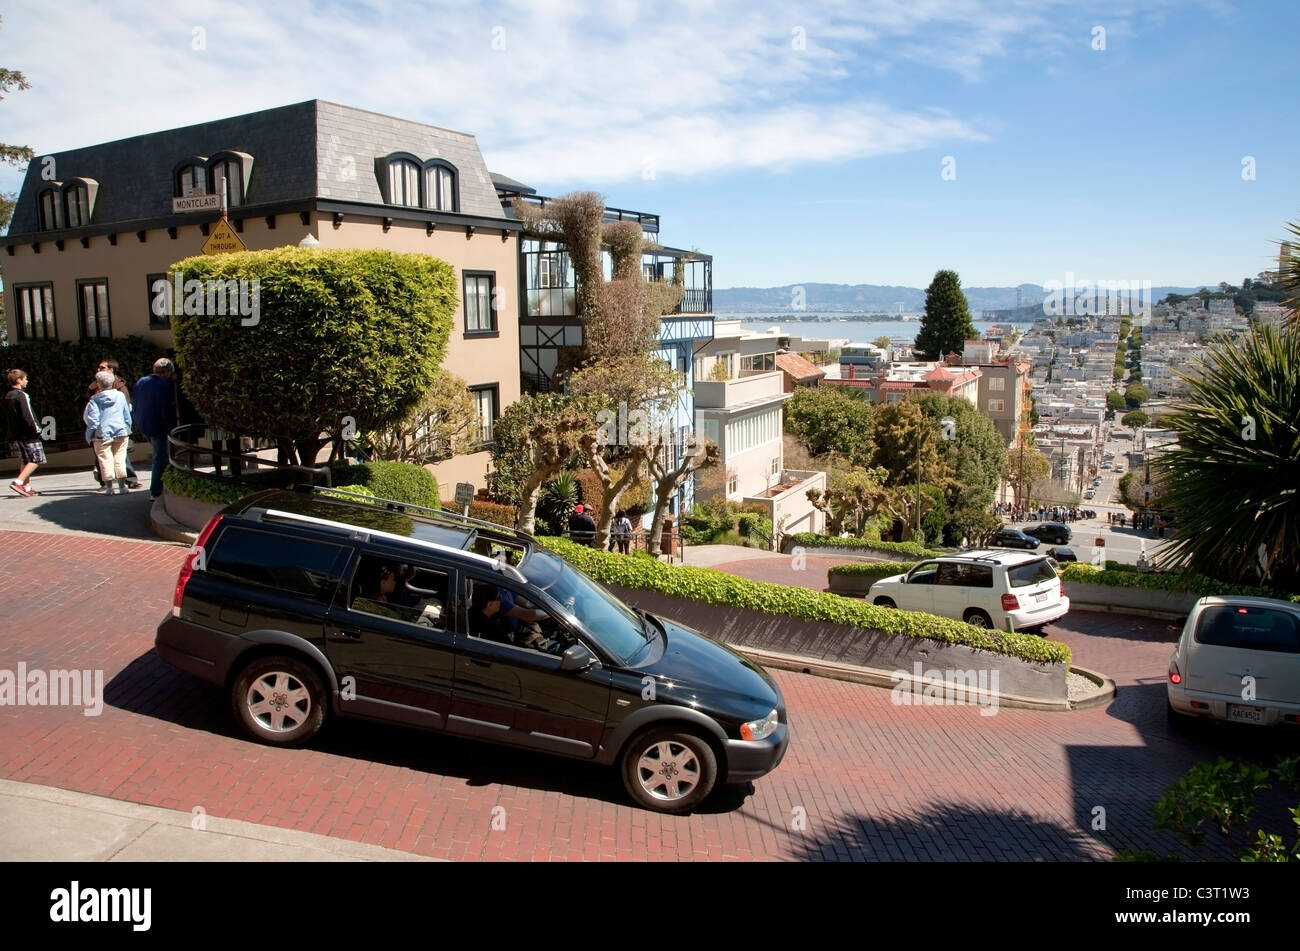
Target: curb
x=1104 y=695
x=875 y=677
x=167 y=528
x=1128 y=609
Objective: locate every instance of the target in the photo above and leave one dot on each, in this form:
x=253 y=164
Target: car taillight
x=1010 y=602
x=187 y=569
x=1174 y=676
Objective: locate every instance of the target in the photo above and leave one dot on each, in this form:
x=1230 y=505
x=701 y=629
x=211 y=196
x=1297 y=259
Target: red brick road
x=864 y=779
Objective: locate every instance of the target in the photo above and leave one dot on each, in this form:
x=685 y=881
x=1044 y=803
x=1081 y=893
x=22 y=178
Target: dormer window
x=230 y=171
x=191 y=177
x=404 y=182
x=76 y=204
x=440 y=192
x=51 y=207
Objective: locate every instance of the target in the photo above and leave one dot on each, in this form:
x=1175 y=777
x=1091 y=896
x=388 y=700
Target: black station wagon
x=307 y=603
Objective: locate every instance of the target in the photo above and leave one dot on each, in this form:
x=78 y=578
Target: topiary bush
x=716 y=587
x=399 y=481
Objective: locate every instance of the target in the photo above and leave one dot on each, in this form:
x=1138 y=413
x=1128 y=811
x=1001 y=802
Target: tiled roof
x=798 y=367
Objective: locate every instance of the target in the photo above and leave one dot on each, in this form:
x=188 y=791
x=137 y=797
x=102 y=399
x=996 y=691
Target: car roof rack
x=394 y=506
x=366 y=534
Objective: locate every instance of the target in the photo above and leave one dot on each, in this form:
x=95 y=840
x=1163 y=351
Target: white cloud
x=588 y=91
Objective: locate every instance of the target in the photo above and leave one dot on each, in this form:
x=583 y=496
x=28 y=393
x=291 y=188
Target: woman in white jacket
x=108 y=424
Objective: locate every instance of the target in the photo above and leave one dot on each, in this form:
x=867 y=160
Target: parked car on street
x=1061 y=554
x=1013 y=538
x=1237 y=659
x=303 y=606
x=986 y=588
x=1054 y=532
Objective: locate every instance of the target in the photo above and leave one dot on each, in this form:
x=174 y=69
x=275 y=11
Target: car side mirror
x=577 y=657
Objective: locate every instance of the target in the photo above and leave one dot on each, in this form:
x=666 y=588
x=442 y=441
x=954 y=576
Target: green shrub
x=809 y=540
x=493 y=512
x=58 y=373
x=716 y=587
x=205 y=488
x=354 y=489
x=873 y=569
x=1130 y=577
x=399 y=481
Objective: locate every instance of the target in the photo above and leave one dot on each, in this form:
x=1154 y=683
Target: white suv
x=1009 y=590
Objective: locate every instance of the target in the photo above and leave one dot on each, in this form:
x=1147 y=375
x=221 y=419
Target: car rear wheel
x=884 y=603
x=977 y=617
x=669 y=770
x=279 y=700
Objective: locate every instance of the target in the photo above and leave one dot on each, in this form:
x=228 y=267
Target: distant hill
x=881 y=298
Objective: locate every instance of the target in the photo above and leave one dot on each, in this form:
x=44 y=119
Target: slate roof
x=305 y=151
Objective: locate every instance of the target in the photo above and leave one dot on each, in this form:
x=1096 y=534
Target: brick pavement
x=864 y=779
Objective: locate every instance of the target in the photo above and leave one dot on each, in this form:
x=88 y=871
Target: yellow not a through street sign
x=223 y=240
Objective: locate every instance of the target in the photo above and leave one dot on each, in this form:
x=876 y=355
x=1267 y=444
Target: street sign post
x=464 y=495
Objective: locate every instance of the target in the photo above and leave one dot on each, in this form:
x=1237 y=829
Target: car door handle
x=479 y=663
x=346 y=636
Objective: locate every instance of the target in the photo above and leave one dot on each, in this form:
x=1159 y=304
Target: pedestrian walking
x=108 y=424
x=155 y=416
x=623 y=531
x=23 y=431
x=582 y=527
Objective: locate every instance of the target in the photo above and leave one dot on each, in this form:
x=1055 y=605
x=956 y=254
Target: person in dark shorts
x=23 y=431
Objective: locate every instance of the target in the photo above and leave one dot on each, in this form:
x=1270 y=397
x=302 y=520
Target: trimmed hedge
x=493 y=512
x=399 y=481
x=643 y=572
x=1129 y=577
x=809 y=540
x=204 y=489
x=873 y=569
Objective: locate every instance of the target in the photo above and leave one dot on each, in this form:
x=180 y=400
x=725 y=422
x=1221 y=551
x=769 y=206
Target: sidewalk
x=45 y=824
x=71 y=501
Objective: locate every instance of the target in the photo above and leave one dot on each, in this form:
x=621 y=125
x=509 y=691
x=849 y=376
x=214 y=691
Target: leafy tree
x=444 y=424
x=1135 y=394
x=338 y=333
x=946 y=326
x=975 y=455
x=1135 y=420
x=1115 y=400
x=535 y=439
x=669 y=477
x=11 y=79
x=828 y=419
x=883 y=342
x=1239 y=439
x=855 y=494
x=907 y=443
x=1023 y=469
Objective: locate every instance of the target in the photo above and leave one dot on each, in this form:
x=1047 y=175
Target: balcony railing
x=724 y=394
x=696 y=300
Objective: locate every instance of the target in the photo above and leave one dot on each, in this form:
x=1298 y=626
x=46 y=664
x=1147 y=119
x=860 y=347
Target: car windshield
x=617 y=628
x=1250 y=628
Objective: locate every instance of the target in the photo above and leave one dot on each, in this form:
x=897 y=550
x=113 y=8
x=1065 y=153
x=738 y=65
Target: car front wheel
x=669 y=770
x=279 y=700
x=884 y=602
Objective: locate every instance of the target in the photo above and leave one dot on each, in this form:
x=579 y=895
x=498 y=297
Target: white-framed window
x=191 y=180
x=227 y=174
x=76 y=206
x=485 y=406
x=479 y=315
x=403 y=183
x=731 y=484
x=997 y=383
x=753 y=430
x=440 y=187
x=997 y=406
x=93 y=301
x=776 y=465
x=549 y=272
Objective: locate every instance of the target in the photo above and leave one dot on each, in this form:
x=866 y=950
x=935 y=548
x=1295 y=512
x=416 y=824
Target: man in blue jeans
x=154 y=400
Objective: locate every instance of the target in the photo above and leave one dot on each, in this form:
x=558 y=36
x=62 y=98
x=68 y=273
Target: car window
x=502 y=614
x=275 y=560
x=1031 y=573
x=615 y=626
x=1249 y=628
x=923 y=573
x=949 y=573
x=977 y=576
x=384 y=587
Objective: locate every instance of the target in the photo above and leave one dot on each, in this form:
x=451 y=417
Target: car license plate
x=1040 y=598
x=1249 y=714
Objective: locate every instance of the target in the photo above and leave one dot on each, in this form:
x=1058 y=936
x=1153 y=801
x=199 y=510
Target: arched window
x=403 y=181
x=440 y=191
x=76 y=204
x=230 y=170
x=191 y=177
x=51 y=208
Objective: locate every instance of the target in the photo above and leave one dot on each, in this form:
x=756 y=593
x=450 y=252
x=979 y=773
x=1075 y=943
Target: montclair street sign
x=196 y=203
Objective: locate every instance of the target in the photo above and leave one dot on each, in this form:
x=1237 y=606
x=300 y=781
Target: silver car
x=1237 y=659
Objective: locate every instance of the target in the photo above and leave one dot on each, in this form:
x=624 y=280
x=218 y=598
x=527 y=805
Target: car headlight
x=759 y=729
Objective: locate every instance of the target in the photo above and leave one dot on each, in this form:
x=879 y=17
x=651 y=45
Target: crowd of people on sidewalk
x=1053 y=513
x=1141 y=521
x=113 y=412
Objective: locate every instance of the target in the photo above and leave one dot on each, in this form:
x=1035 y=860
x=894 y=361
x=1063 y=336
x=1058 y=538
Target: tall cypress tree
x=946 y=326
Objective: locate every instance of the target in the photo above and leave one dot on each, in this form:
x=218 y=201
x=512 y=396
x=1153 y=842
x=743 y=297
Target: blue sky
x=795 y=143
